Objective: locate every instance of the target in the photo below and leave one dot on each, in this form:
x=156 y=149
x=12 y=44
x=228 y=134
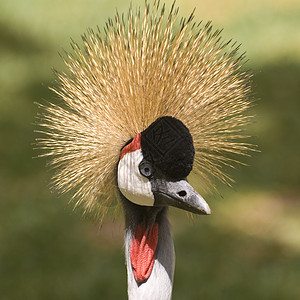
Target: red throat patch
x=142 y=251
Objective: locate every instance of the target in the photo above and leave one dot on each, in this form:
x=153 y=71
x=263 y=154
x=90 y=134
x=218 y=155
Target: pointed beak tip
x=208 y=211
x=205 y=210
x=202 y=206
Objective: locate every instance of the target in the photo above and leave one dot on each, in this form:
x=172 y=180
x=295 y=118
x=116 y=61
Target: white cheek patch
x=134 y=186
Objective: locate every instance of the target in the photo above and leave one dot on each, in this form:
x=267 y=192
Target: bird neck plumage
x=158 y=283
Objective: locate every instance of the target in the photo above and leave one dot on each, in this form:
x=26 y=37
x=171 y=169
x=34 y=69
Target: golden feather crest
x=145 y=66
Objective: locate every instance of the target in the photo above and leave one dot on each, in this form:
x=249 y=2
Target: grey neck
x=159 y=284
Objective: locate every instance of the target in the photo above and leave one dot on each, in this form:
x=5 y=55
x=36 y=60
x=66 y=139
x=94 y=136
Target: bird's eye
x=146 y=169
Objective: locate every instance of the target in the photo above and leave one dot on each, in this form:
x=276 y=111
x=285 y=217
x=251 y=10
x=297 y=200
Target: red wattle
x=142 y=251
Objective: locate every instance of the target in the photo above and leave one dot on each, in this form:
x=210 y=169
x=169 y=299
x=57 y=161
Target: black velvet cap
x=168 y=145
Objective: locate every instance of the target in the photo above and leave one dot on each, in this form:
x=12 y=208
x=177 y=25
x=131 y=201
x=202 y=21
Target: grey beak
x=179 y=194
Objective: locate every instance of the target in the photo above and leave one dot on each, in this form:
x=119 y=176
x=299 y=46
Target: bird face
x=153 y=167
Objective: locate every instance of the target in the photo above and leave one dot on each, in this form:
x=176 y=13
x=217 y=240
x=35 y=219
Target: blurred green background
x=249 y=248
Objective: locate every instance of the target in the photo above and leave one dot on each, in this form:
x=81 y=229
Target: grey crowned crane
x=143 y=106
x=158 y=160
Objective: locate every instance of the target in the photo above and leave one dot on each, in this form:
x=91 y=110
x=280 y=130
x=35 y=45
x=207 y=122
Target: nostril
x=182 y=193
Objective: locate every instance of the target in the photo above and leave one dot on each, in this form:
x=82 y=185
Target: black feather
x=168 y=145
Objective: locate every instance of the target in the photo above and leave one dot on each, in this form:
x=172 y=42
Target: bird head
x=154 y=165
x=125 y=82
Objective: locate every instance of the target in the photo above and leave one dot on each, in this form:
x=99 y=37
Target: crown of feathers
x=144 y=66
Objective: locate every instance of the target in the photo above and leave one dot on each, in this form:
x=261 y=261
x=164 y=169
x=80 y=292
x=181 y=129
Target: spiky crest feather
x=144 y=67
